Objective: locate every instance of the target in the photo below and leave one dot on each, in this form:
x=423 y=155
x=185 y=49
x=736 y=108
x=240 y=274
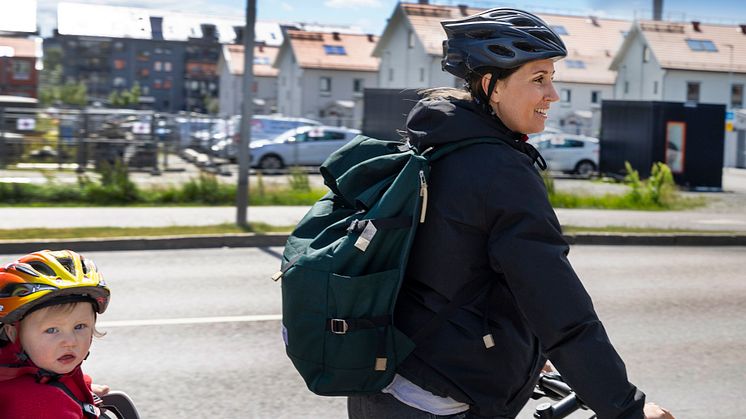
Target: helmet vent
x=42 y=268
x=68 y=264
x=501 y=50
x=486 y=34
x=524 y=46
x=25 y=269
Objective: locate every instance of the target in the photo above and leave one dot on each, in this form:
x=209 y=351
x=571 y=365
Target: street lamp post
x=242 y=191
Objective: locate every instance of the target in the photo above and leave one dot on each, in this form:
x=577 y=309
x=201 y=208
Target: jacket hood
x=437 y=121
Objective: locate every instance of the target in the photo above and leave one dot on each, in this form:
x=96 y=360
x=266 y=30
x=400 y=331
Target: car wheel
x=271 y=164
x=585 y=168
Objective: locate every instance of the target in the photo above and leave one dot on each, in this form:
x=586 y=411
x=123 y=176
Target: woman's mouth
x=542 y=112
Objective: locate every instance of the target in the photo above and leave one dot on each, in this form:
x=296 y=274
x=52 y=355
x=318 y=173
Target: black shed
x=689 y=138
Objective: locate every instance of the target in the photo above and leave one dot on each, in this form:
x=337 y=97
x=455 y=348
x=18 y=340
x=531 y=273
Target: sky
x=371 y=15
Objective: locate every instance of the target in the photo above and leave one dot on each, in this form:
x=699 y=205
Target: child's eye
x=51 y=330
x=81 y=326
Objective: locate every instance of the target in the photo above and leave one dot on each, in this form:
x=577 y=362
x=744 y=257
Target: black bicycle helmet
x=502 y=37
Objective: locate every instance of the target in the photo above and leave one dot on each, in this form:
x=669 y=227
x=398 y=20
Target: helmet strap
x=491 y=89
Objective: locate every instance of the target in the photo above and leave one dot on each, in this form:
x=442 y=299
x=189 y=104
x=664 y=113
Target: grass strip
x=569 y=229
x=110 y=232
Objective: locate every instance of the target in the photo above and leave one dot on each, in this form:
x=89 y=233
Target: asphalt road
x=186 y=337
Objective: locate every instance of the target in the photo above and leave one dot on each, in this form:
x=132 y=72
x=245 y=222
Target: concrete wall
x=317 y=104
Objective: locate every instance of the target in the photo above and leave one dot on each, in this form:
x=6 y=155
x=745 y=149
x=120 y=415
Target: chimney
x=743 y=29
x=371 y=38
x=335 y=36
x=156 y=27
x=423 y=2
x=239 y=34
x=657 y=9
x=463 y=8
x=695 y=26
x=208 y=31
x=594 y=21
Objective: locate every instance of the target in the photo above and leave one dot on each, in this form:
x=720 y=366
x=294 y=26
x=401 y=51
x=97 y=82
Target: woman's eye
x=539 y=80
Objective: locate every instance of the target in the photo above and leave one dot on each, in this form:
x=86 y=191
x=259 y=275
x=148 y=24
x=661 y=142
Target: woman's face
x=522 y=100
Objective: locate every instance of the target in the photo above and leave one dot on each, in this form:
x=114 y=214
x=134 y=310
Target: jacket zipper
x=423 y=194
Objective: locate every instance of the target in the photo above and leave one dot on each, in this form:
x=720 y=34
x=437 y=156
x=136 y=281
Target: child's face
x=58 y=340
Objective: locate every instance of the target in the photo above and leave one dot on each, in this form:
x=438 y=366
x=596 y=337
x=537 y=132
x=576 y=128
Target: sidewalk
x=61 y=217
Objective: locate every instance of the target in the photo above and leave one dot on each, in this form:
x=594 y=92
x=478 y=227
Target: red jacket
x=22 y=397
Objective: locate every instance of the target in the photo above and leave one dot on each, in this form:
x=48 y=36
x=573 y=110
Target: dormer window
x=559 y=30
x=575 y=64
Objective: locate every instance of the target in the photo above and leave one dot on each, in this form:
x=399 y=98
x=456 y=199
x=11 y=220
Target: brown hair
x=473 y=83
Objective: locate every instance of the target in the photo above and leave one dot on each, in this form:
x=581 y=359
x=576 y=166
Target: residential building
x=264 y=88
x=19 y=66
x=689 y=62
x=411 y=49
x=172 y=56
x=322 y=75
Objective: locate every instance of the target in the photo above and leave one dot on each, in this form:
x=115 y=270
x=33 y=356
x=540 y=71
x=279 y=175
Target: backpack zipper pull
x=423 y=194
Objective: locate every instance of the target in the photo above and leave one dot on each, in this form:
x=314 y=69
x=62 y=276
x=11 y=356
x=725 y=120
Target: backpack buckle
x=339 y=326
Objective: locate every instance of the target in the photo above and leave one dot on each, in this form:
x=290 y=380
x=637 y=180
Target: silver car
x=304 y=146
x=568 y=153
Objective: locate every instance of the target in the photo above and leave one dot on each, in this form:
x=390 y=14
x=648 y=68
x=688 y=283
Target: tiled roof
x=17 y=47
x=668 y=43
x=311 y=50
x=264 y=57
x=591 y=40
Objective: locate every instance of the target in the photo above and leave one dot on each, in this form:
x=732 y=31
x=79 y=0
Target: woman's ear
x=10 y=332
x=494 y=97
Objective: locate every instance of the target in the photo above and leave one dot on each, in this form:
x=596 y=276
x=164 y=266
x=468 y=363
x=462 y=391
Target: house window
x=119 y=82
x=357 y=85
x=157 y=84
x=21 y=70
x=325 y=84
x=391 y=74
x=575 y=64
x=701 y=45
x=144 y=72
x=422 y=74
x=167 y=84
x=145 y=90
x=167 y=66
x=410 y=42
x=157 y=66
x=626 y=87
x=596 y=96
x=645 y=54
x=118 y=46
x=692 y=91
x=736 y=96
x=119 y=64
x=655 y=87
x=565 y=95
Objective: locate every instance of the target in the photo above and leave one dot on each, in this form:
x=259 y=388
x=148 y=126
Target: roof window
x=701 y=45
x=559 y=30
x=575 y=64
x=335 y=50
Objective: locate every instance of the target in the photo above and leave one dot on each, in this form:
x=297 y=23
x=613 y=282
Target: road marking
x=721 y=221
x=190 y=320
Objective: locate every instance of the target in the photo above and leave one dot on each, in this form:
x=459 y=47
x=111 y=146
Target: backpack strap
x=467 y=293
x=344 y=326
x=89 y=410
x=522 y=146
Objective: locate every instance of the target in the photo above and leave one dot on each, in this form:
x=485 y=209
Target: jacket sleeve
x=526 y=245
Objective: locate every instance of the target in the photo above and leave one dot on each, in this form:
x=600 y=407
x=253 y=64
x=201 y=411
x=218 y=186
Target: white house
x=411 y=48
x=264 y=89
x=687 y=62
x=322 y=75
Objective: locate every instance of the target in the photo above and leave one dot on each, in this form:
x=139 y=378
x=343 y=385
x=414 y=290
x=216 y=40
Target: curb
x=279 y=239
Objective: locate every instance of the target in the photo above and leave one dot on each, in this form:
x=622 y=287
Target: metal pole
x=2 y=134
x=242 y=190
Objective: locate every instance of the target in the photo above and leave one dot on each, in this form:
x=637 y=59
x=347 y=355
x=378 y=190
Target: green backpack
x=344 y=263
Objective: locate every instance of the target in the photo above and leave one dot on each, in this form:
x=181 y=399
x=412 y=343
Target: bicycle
x=552 y=386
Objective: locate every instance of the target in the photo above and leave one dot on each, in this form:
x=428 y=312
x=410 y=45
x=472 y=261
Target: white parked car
x=568 y=153
x=304 y=146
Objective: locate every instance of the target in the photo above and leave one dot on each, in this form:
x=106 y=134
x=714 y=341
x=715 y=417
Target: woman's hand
x=653 y=411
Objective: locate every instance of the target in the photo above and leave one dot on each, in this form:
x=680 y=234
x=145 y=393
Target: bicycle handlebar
x=551 y=385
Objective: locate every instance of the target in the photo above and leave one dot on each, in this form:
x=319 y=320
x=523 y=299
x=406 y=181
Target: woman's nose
x=551 y=95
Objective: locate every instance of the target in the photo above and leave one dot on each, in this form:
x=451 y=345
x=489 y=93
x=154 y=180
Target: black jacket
x=489 y=218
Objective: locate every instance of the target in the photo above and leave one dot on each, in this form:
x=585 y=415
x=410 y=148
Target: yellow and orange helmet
x=38 y=278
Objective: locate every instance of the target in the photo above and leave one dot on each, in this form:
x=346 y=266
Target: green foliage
x=548 y=181
x=299 y=180
x=115 y=187
x=125 y=98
